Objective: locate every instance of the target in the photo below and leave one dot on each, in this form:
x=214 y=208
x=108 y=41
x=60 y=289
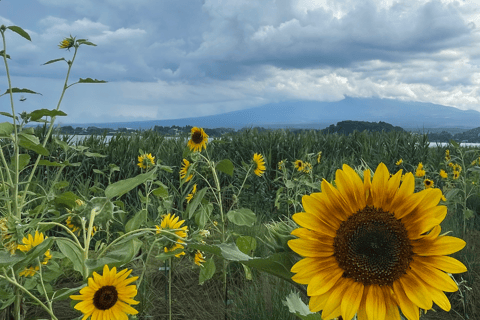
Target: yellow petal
x=415 y=290
x=324 y=281
x=375 y=303
x=433 y=277
x=351 y=300
x=309 y=248
x=309 y=221
x=441 y=246
x=334 y=301
x=447 y=264
x=409 y=309
x=379 y=184
x=391 y=305
x=317 y=303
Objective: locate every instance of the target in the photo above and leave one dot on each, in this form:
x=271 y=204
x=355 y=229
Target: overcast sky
x=167 y=59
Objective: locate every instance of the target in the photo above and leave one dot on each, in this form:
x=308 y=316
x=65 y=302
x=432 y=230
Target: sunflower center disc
x=197 y=137
x=105 y=297
x=372 y=247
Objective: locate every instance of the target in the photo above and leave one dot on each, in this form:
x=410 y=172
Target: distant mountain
x=349 y=126
x=319 y=115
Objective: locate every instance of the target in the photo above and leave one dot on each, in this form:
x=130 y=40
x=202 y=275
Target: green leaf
x=23 y=160
x=278 y=264
x=84 y=41
x=122 y=254
x=225 y=166
x=197 y=198
x=299 y=308
x=50 y=164
x=121 y=187
x=20 y=31
x=468 y=214
x=246 y=244
x=242 y=217
x=37 y=114
x=55 y=60
x=65 y=293
x=18 y=90
x=6 y=114
x=90 y=80
x=6 y=129
x=31 y=256
x=2 y=53
x=451 y=193
x=202 y=215
x=94 y=155
x=454 y=143
x=67 y=199
x=73 y=253
x=8 y=260
x=7 y=302
x=31 y=142
x=231 y=252
x=137 y=220
x=161 y=191
x=206 y=271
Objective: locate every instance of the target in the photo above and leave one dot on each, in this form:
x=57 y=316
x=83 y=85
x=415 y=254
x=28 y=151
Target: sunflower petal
x=441 y=246
x=433 y=277
x=351 y=300
x=447 y=264
x=309 y=248
x=375 y=303
x=324 y=280
x=409 y=309
x=334 y=301
x=415 y=290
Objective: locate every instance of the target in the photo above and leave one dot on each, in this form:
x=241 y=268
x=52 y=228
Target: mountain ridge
x=319 y=115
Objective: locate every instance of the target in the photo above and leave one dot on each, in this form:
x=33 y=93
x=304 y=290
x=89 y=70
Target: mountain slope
x=314 y=114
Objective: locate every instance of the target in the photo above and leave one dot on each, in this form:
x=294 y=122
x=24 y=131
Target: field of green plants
x=143 y=226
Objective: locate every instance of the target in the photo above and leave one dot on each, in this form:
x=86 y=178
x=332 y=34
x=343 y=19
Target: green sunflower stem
x=170 y=288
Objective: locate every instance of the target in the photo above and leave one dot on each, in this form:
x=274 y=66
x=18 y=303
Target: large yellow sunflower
x=108 y=296
x=170 y=221
x=259 y=164
x=28 y=244
x=198 y=139
x=184 y=169
x=372 y=246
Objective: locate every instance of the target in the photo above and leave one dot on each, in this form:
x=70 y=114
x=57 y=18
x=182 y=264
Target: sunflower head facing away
x=146 y=161
x=371 y=247
x=259 y=164
x=170 y=221
x=184 y=170
x=67 y=43
x=198 y=139
x=108 y=296
x=28 y=244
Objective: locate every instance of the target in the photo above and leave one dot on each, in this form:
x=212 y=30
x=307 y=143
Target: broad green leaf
x=137 y=220
x=225 y=166
x=73 y=253
x=23 y=160
x=6 y=129
x=468 y=214
x=278 y=264
x=121 y=255
x=161 y=192
x=55 y=60
x=454 y=143
x=18 y=90
x=246 y=244
x=248 y=272
x=90 y=80
x=451 y=193
x=299 y=308
x=207 y=270
x=6 y=259
x=31 y=142
x=50 y=164
x=65 y=146
x=119 y=188
x=20 y=31
x=242 y=217
x=37 y=114
x=231 y=252
x=84 y=41
x=197 y=198
x=202 y=215
x=7 y=302
x=61 y=184
x=98 y=172
x=103 y=209
x=67 y=199
x=289 y=184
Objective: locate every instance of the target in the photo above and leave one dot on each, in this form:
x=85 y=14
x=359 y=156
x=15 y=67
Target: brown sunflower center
x=105 y=297
x=373 y=247
x=197 y=137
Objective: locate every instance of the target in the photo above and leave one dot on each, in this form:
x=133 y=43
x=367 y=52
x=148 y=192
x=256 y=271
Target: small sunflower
x=146 y=161
x=184 y=169
x=307 y=167
x=28 y=244
x=67 y=43
x=399 y=162
x=419 y=172
x=259 y=164
x=447 y=155
x=281 y=165
x=170 y=221
x=371 y=247
x=198 y=139
x=71 y=226
x=108 y=296
x=299 y=165
x=199 y=258
x=456 y=175
x=428 y=183
x=190 y=195
x=7 y=235
x=319 y=157
x=457 y=167
x=443 y=174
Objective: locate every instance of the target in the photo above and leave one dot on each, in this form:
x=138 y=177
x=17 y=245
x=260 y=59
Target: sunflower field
x=252 y=225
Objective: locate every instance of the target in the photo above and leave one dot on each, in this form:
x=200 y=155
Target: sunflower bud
x=278 y=234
